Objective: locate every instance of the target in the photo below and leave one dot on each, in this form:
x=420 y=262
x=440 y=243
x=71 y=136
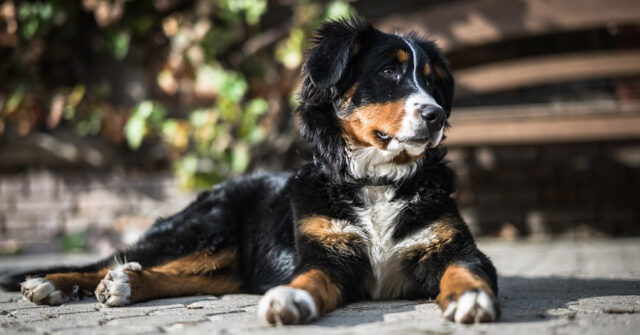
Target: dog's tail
x=11 y=280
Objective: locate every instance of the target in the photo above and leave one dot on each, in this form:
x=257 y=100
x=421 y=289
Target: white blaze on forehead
x=412 y=121
x=414 y=53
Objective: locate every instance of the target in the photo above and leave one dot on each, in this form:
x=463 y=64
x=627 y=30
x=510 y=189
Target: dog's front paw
x=284 y=305
x=114 y=289
x=41 y=292
x=475 y=305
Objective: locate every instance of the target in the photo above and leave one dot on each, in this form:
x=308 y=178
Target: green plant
x=211 y=74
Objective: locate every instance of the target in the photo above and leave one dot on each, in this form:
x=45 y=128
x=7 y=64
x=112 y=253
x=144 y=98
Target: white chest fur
x=378 y=218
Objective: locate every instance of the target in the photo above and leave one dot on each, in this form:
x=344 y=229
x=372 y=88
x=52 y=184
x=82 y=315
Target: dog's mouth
x=417 y=143
x=416 y=140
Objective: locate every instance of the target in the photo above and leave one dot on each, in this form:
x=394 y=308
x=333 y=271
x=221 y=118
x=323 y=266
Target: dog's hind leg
x=201 y=272
x=193 y=251
x=57 y=288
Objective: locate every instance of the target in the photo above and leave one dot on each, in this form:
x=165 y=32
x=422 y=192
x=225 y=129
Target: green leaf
x=143 y=110
x=14 y=101
x=46 y=11
x=257 y=106
x=233 y=87
x=136 y=127
x=289 y=52
x=30 y=27
x=118 y=44
x=91 y=125
x=199 y=117
x=293 y=99
x=157 y=115
x=255 y=135
x=134 y=131
x=76 y=95
x=169 y=128
x=337 y=10
x=239 y=158
x=74 y=242
x=254 y=11
x=189 y=164
x=24 y=11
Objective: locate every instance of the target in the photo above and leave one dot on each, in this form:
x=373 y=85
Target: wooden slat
x=472 y=128
x=549 y=69
x=458 y=24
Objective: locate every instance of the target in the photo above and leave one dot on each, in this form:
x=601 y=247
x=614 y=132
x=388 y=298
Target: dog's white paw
x=472 y=306
x=41 y=292
x=284 y=305
x=114 y=289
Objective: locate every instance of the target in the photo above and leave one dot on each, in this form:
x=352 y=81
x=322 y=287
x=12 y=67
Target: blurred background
x=115 y=112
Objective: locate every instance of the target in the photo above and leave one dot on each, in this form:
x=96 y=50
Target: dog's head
x=387 y=95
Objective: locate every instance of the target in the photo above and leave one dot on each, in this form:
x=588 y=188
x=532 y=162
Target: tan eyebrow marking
x=427 y=69
x=441 y=73
x=402 y=55
x=356 y=47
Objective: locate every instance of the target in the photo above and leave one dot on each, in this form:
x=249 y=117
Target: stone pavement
x=547 y=287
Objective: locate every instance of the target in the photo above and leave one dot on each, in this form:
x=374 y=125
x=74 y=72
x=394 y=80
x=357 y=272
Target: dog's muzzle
x=429 y=128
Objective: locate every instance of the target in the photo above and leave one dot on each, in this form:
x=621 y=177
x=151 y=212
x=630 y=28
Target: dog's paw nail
x=42 y=292
x=284 y=305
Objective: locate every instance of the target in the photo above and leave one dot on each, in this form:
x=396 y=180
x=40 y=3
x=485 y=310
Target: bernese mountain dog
x=371 y=216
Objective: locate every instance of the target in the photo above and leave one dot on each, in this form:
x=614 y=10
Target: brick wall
x=536 y=190
x=39 y=208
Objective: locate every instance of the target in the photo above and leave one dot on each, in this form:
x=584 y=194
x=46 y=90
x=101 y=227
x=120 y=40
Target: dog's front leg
x=310 y=295
x=466 y=296
x=330 y=273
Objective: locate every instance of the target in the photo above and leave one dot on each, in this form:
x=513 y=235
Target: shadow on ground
x=535 y=298
x=523 y=299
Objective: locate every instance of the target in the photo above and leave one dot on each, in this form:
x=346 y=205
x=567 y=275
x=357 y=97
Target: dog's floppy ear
x=444 y=83
x=336 y=43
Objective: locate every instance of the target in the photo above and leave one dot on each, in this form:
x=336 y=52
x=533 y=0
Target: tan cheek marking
x=351 y=130
x=402 y=56
x=427 y=69
x=319 y=228
x=325 y=293
x=360 y=126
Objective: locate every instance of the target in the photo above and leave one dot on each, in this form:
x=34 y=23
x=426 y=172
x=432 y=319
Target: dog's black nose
x=434 y=115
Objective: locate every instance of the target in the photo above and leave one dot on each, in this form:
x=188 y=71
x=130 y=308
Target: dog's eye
x=389 y=72
x=384 y=137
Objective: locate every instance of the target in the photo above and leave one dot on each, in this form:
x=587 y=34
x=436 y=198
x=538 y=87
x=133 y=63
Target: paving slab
x=546 y=287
